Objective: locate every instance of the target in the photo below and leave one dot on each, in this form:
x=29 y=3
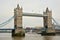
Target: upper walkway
x=33 y=14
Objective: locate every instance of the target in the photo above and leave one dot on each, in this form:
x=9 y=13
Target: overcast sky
x=35 y=6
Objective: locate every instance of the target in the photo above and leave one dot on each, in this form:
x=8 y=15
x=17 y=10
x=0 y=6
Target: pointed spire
x=18 y=6
x=47 y=9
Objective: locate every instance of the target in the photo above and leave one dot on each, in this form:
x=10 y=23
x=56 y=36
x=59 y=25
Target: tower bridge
x=18 y=13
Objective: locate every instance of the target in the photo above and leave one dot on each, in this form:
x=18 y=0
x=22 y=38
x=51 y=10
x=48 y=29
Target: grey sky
x=35 y=6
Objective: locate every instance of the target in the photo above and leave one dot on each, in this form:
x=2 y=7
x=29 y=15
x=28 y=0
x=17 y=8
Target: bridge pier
x=19 y=33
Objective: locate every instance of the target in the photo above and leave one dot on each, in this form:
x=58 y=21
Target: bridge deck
x=6 y=29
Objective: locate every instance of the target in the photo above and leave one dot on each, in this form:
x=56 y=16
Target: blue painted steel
x=6 y=22
x=7 y=29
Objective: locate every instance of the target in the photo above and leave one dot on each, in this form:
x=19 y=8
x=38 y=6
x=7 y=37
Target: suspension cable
x=6 y=22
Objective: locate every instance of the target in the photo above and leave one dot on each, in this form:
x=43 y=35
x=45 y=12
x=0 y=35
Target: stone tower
x=18 y=17
x=48 y=21
x=18 y=22
x=48 y=18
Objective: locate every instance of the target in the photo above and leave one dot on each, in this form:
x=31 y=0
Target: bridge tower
x=48 y=20
x=18 y=22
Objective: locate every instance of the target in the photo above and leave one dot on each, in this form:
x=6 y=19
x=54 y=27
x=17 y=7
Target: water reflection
x=41 y=38
x=17 y=38
x=29 y=36
x=47 y=37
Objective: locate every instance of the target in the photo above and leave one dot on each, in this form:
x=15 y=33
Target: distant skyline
x=35 y=6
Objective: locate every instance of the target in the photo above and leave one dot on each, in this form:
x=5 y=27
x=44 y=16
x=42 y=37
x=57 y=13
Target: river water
x=29 y=36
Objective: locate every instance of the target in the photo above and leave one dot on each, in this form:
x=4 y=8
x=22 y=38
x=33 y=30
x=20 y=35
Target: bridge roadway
x=7 y=29
x=33 y=14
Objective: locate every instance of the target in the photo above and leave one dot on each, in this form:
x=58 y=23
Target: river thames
x=29 y=36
